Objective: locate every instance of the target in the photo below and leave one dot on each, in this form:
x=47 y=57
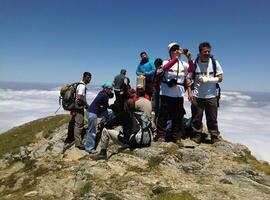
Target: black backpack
x=214 y=71
x=143 y=137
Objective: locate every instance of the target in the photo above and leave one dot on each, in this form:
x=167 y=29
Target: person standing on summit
x=172 y=91
x=146 y=68
x=207 y=74
x=81 y=103
x=118 y=82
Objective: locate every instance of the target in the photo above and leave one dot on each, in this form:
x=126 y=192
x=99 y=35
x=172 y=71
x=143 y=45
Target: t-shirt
x=144 y=105
x=205 y=90
x=80 y=90
x=177 y=90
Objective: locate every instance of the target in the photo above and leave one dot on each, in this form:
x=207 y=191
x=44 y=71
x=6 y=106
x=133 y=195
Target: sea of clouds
x=243 y=117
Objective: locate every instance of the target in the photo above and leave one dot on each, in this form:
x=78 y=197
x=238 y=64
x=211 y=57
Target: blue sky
x=56 y=41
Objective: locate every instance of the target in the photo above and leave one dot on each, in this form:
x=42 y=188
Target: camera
x=172 y=82
x=185 y=51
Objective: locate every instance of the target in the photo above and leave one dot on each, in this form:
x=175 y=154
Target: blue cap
x=107 y=85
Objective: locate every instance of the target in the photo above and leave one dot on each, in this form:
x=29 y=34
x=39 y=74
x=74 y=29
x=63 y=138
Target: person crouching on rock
x=121 y=130
x=98 y=109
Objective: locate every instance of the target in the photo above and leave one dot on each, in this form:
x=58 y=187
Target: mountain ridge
x=40 y=170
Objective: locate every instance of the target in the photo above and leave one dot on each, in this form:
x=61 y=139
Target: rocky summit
x=42 y=170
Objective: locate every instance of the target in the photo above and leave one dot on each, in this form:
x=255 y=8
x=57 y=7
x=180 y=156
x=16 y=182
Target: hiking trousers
x=198 y=106
x=78 y=127
x=90 y=144
x=155 y=100
x=110 y=134
x=70 y=134
x=171 y=108
x=148 y=88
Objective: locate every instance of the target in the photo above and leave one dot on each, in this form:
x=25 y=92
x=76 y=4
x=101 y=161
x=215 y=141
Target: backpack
x=68 y=96
x=215 y=71
x=140 y=81
x=143 y=137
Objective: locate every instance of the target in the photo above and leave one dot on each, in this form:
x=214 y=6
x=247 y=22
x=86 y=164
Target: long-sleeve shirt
x=147 y=68
x=100 y=103
x=177 y=70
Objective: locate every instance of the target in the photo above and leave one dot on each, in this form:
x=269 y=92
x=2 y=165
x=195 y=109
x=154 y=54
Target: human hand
x=203 y=79
x=190 y=96
x=188 y=55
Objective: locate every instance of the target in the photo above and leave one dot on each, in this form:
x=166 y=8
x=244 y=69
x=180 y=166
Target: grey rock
x=18 y=183
x=23 y=152
x=31 y=194
x=39 y=151
x=205 y=171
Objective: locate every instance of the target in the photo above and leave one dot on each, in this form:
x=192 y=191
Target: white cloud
x=241 y=118
x=20 y=106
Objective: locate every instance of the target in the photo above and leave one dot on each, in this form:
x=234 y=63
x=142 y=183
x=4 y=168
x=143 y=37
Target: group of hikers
x=154 y=110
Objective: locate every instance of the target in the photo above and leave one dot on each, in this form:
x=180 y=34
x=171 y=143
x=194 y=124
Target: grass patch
x=29 y=165
x=182 y=196
x=253 y=162
x=154 y=162
x=136 y=169
x=84 y=190
x=110 y=196
x=173 y=150
x=23 y=135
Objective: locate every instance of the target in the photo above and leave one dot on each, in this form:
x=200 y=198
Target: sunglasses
x=175 y=48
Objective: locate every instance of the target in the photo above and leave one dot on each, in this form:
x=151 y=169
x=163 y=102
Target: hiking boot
x=215 y=138
x=161 y=139
x=81 y=147
x=92 y=152
x=101 y=156
x=197 y=138
x=178 y=143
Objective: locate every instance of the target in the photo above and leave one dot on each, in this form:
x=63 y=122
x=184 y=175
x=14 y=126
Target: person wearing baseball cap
x=172 y=91
x=98 y=109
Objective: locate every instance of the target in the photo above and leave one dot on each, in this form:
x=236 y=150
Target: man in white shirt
x=208 y=73
x=81 y=103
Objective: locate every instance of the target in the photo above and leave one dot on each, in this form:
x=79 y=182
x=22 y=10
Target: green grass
x=182 y=196
x=136 y=169
x=84 y=190
x=153 y=162
x=253 y=162
x=23 y=135
x=110 y=196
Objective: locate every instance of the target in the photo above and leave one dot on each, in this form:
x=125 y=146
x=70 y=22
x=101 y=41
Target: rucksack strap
x=140 y=124
x=177 y=75
x=218 y=93
x=138 y=118
x=214 y=64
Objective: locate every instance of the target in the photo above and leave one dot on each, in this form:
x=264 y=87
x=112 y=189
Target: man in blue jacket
x=147 y=69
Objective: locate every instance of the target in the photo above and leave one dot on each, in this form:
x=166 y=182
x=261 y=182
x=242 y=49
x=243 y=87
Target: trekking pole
x=59 y=105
